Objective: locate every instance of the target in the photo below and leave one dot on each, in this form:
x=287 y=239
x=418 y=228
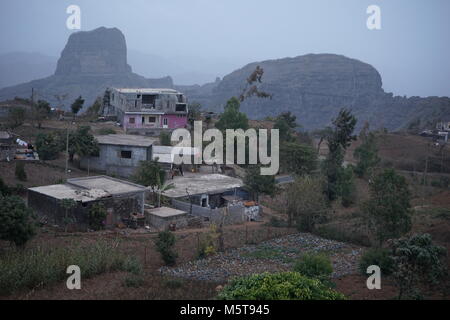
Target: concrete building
x=146 y=111
x=120 y=198
x=444 y=125
x=119 y=154
x=216 y=198
x=162 y=218
x=7 y=146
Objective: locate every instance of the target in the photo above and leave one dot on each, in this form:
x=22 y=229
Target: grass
x=349 y=235
x=268 y=254
x=38 y=267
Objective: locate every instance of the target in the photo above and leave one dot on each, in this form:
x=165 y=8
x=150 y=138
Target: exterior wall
x=138 y=121
x=111 y=162
x=7 y=149
x=50 y=211
x=174 y=121
x=164 y=223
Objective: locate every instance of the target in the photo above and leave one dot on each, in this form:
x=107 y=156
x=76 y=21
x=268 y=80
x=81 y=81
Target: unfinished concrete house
x=119 y=154
x=7 y=146
x=214 y=197
x=121 y=199
x=146 y=111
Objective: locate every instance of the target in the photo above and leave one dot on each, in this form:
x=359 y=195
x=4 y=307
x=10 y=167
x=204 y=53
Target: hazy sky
x=411 y=51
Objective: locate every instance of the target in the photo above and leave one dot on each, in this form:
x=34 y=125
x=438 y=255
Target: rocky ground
x=270 y=256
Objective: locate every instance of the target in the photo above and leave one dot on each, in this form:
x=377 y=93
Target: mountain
x=19 y=67
x=315 y=87
x=90 y=62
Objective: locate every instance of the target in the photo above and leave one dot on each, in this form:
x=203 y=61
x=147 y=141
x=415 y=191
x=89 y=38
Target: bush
x=28 y=269
x=278 y=286
x=16 y=220
x=106 y=131
x=4 y=189
x=20 y=171
x=174 y=283
x=97 y=216
x=316 y=266
x=378 y=257
x=164 y=244
x=133 y=281
x=49 y=146
x=165 y=139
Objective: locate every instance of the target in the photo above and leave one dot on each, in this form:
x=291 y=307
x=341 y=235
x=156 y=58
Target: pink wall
x=174 y=121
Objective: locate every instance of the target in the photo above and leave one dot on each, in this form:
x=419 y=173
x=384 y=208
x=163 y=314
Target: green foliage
x=367 y=155
x=207 y=246
x=389 y=209
x=32 y=268
x=40 y=111
x=106 y=131
x=378 y=257
x=77 y=105
x=97 y=216
x=164 y=244
x=16 y=117
x=286 y=123
x=82 y=143
x=165 y=139
x=174 y=283
x=16 y=220
x=297 y=158
x=232 y=118
x=20 y=171
x=49 y=146
x=317 y=266
x=346 y=186
x=134 y=281
x=259 y=184
x=150 y=174
x=417 y=261
x=306 y=203
x=278 y=286
x=4 y=189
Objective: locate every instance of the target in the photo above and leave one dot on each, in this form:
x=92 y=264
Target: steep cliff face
x=315 y=87
x=90 y=62
x=101 y=51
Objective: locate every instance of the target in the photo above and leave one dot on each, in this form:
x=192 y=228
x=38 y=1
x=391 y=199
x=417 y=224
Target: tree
x=338 y=138
x=16 y=220
x=278 y=286
x=417 y=261
x=97 y=216
x=388 y=209
x=20 y=171
x=16 y=117
x=164 y=244
x=297 y=158
x=232 y=118
x=67 y=204
x=77 y=105
x=366 y=154
x=194 y=112
x=49 y=145
x=286 y=123
x=4 y=189
x=258 y=184
x=306 y=203
x=40 y=111
x=82 y=143
x=164 y=139
x=346 y=186
x=150 y=174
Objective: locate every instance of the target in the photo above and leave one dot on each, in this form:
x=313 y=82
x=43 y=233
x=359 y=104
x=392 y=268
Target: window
x=180 y=108
x=132 y=120
x=143 y=120
x=125 y=154
x=151 y=119
x=148 y=99
x=166 y=121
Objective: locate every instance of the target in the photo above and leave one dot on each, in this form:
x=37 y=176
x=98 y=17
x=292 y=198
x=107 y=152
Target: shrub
x=165 y=139
x=4 y=189
x=16 y=220
x=133 y=281
x=20 y=171
x=27 y=269
x=164 y=244
x=316 y=266
x=174 y=283
x=49 y=146
x=278 y=286
x=97 y=216
x=378 y=257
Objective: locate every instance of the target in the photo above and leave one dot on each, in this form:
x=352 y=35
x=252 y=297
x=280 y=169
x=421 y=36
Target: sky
x=215 y=37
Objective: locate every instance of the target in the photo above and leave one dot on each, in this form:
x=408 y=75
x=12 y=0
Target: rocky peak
x=102 y=51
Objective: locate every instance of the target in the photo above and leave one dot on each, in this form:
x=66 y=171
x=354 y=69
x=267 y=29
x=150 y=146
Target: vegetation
x=417 y=261
x=16 y=118
x=4 y=189
x=278 y=286
x=306 y=203
x=367 y=155
x=82 y=143
x=68 y=204
x=297 y=158
x=194 y=113
x=20 y=171
x=317 y=266
x=97 y=216
x=232 y=118
x=389 y=209
x=49 y=145
x=346 y=186
x=17 y=223
x=258 y=184
x=40 y=111
x=32 y=268
x=77 y=105
x=106 y=131
x=164 y=244
x=379 y=257
x=286 y=124
x=150 y=174
x=165 y=139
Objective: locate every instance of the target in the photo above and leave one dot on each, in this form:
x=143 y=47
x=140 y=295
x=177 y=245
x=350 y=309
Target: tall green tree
x=389 y=209
x=286 y=124
x=77 y=105
x=232 y=118
x=82 y=143
x=150 y=174
x=258 y=184
x=49 y=145
x=297 y=158
x=367 y=155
